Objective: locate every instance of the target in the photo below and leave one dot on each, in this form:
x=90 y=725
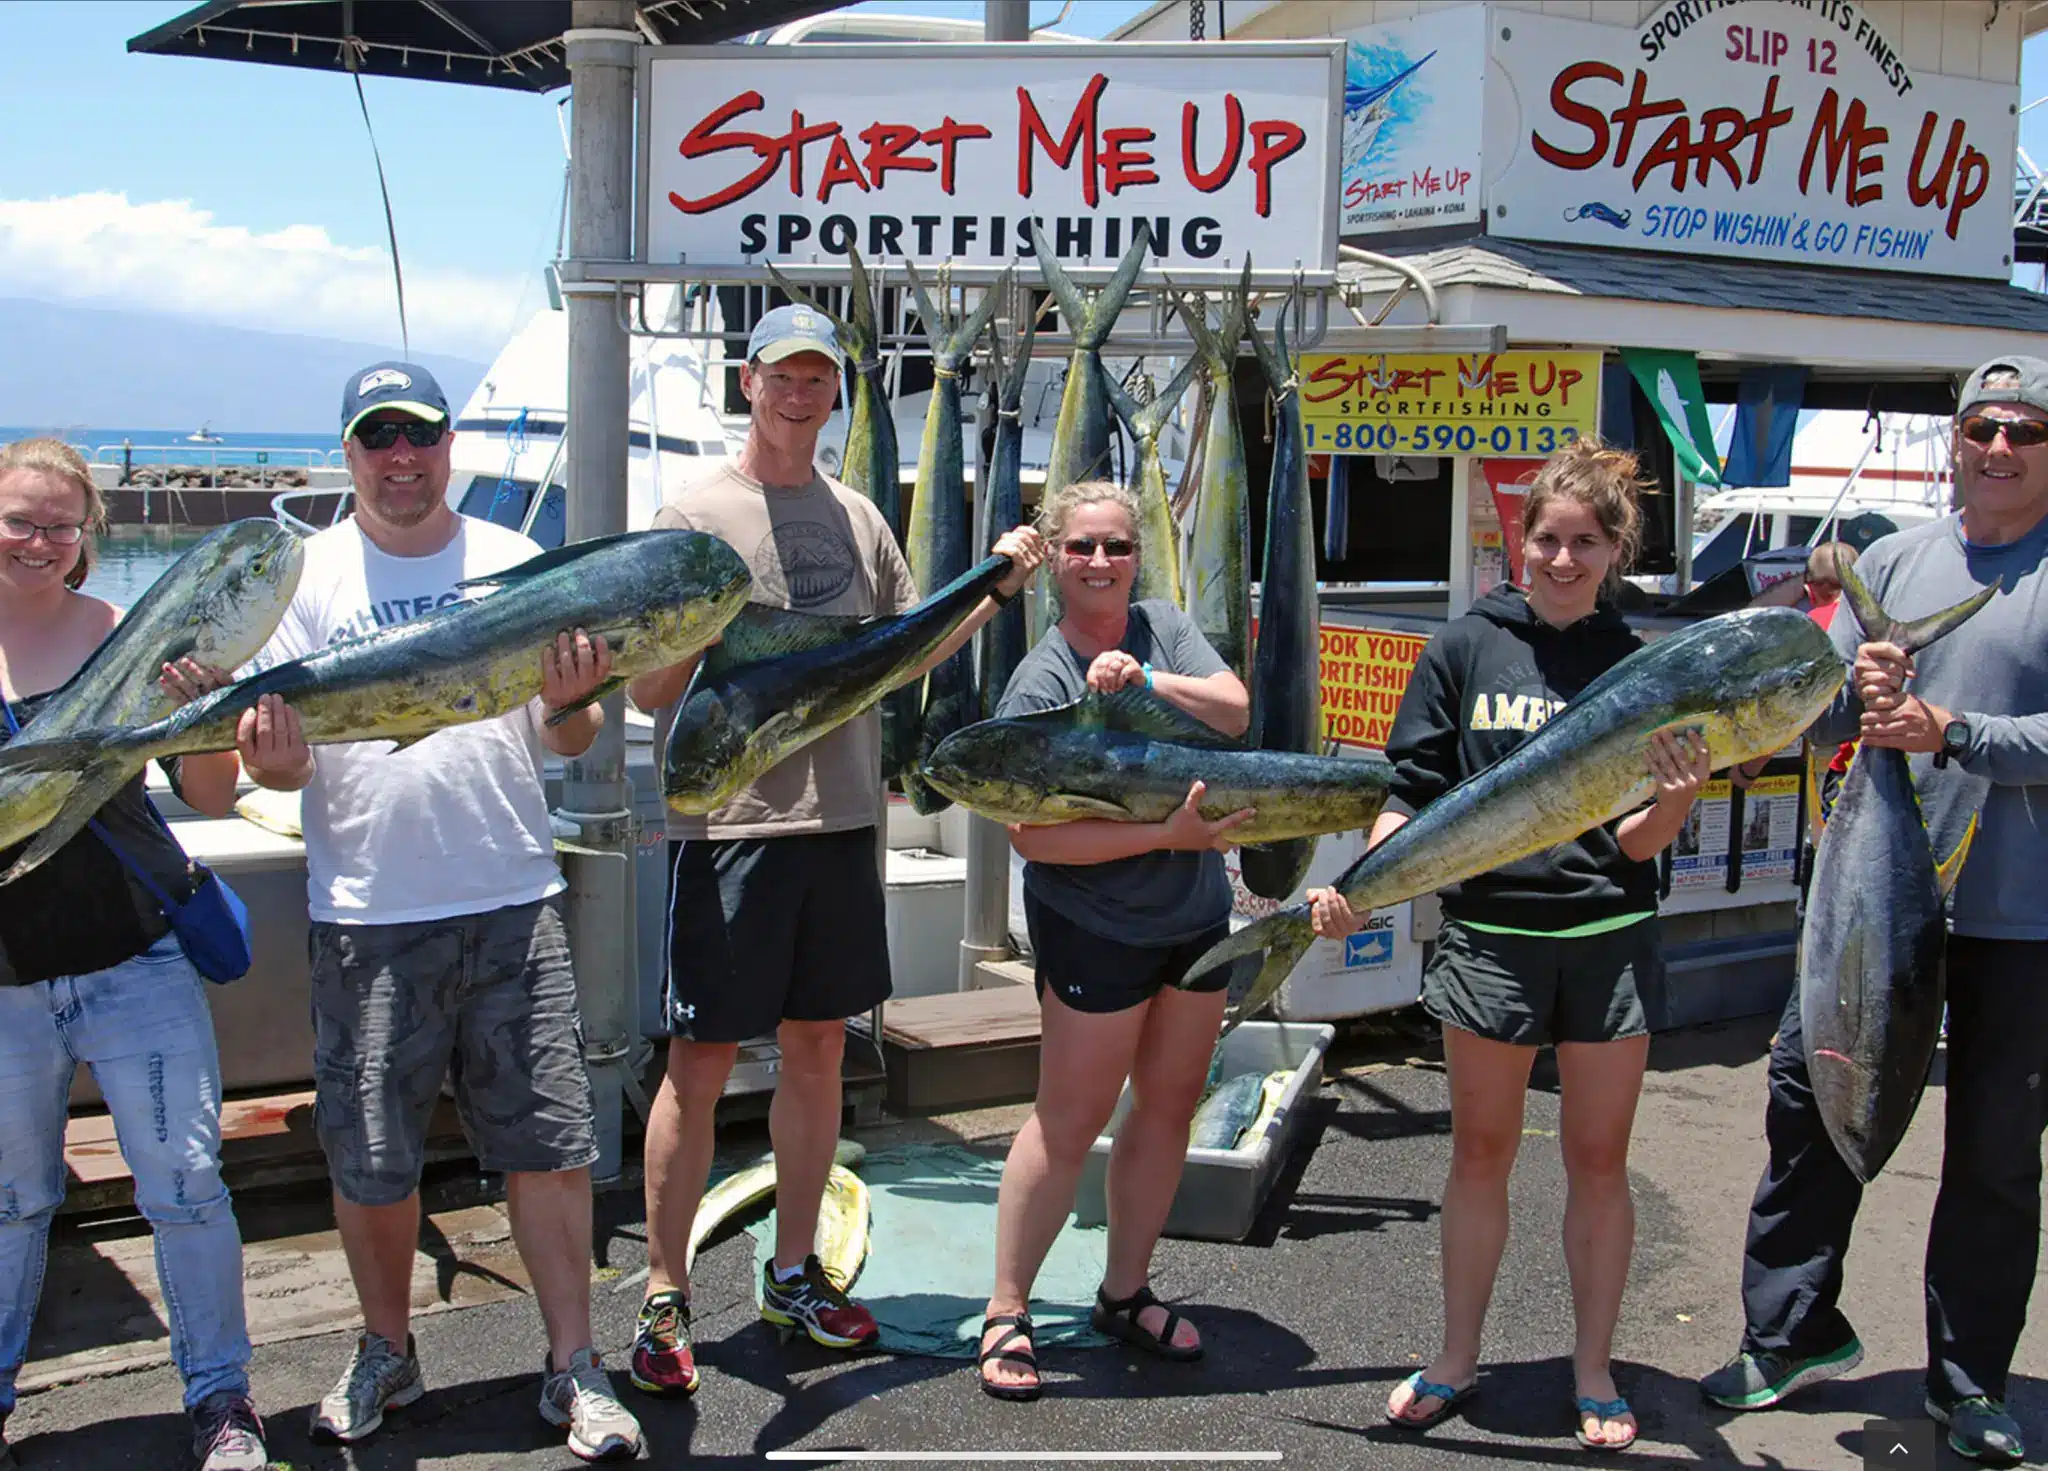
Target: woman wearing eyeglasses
x=1117 y=912
x=91 y=972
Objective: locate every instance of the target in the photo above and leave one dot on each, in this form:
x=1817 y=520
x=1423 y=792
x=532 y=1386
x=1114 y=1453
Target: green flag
x=1671 y=382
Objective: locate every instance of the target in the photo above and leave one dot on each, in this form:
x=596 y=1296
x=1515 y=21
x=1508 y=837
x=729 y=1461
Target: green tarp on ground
x=931 y=1255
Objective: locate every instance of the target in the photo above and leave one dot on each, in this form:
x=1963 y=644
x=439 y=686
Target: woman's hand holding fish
x=1331 y=914
x=1680 y=763
x=187 y=679
x=272 y=746
x=573 y=666
x=1188 y=831
x=1880 y=675
x=1112 y=670
x=1026 y=550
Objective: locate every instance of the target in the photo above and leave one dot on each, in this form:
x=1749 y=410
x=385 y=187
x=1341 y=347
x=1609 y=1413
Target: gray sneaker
x=580 y=1400
x=378 y=1378
x=1753 y=1381
x=1981 y=1429
x=226 y=1435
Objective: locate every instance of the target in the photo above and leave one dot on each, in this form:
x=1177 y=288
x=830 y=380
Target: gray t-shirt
x=1993 y=673
x=1150 y=898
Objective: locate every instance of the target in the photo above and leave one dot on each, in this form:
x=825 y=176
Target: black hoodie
x=1482 y=687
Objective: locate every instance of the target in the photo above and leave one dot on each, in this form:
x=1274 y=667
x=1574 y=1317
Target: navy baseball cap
x=789 y=330
x=404 y=386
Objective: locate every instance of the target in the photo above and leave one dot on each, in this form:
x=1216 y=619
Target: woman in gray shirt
x=1117 y=912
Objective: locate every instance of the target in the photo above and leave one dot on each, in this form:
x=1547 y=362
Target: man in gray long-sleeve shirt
x=1973 y=710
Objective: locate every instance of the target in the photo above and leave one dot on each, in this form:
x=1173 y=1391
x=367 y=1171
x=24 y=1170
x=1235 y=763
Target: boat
x=204 y=435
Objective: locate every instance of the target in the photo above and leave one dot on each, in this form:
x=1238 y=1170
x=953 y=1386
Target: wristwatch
x=1955 y=742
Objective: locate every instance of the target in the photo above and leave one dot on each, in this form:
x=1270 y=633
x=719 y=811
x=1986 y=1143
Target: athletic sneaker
x=662 y=1360
x=580 y=1400
x=377 y=1379
x=226 y=1435
x=814 y=1304
x=1752 y=1381
x=1981 y=1429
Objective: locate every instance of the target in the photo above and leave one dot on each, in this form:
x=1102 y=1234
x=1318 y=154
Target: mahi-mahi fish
x=1871 y=971
x=1286 y=684
x=777 y=680
x=940 y=520
x=1159 y=573
x=656 y=597
x=1132 y=757
x=1750 y=681
x=1081 y=436
x=1000 y=644
x=1218 y=582
x=218 y=604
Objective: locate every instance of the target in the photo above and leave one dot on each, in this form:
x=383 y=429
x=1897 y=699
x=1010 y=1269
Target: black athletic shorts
x=767 y=930
x=1538 y=990
x=1093 y=974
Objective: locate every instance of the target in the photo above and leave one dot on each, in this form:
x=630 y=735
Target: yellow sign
x=1492 y=403
x=1364 y=674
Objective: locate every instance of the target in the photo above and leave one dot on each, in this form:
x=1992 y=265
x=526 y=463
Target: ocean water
x=172 y=447
x=131 y=558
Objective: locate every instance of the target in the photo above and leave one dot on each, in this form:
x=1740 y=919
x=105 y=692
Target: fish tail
x=1109 y=302
x=1274 y=361
x=1290 y=942
x=1073 y=305
x=97 y=785
x=1267 y=936
x=78 y=751
x=1920 y=632
x=802 y=297
x=862 y=330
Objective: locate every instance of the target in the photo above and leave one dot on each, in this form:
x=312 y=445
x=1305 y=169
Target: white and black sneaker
x=226 y=1435
x=377 y=1379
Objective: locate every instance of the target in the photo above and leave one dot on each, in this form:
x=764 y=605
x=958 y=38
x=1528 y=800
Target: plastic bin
x=1222 y=1191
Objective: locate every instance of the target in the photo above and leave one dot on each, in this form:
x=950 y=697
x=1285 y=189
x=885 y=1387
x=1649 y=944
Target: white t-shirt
x=454 y=824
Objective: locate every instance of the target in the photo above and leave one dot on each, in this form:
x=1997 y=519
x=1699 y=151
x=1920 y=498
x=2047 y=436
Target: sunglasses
x=1112 y=546
x=20 y=528
x=2019 y=433
x=418 y=433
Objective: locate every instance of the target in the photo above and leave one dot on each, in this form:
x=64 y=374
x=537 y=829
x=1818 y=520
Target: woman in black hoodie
x=1561 y=948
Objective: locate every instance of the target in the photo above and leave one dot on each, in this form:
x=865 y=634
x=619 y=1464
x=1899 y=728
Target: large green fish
x=657 y=597
x=1159 y=573
x=1081 y=436
x=1218 y=585
x=1131 y=757
x=1871 y=952
x=778 y=680
x=940 y=520
x=219 y=604
x=1000 y=644
x=1286 y=684
x=1752 y=681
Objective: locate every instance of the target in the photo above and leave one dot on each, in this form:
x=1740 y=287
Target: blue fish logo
x=1606 y=214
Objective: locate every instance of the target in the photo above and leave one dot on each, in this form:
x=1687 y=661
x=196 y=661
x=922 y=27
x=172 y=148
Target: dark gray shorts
x=486 y=999
x=1538 y=990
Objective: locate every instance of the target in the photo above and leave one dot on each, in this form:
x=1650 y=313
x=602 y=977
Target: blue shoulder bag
x=212 y=925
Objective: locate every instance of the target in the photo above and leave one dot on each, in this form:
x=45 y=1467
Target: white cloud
x=170 y=256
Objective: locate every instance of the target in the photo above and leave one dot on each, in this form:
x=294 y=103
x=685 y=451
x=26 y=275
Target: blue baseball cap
x=789 y=330
x=404 y=386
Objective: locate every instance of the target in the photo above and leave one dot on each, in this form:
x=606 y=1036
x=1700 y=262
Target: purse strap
x=164 y=900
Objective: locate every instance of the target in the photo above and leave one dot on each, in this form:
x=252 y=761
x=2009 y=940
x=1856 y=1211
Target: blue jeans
x=144 y=1029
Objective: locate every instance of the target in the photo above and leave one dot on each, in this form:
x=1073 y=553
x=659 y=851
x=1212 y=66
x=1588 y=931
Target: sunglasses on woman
x=2019 y=433
x=1112 y=546
x=418 y=433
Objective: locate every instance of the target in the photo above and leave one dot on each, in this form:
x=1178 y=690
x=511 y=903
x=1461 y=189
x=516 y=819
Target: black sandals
x=1001 y=1352
x=1119 y=1319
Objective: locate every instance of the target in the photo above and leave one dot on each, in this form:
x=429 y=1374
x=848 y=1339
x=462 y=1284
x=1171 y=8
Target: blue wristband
x=1148 y=676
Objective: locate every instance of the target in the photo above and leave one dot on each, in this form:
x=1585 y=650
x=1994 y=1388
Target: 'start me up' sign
x=1787 y=130
x=797 y=154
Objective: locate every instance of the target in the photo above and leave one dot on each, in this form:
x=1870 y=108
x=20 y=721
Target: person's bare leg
x=379 y=1241
x=1601 y=1082
x=680 y=1142
x=803 y=1126
x=550 y=1213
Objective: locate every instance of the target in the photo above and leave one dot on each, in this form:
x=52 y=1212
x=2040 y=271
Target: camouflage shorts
x=487 y=1000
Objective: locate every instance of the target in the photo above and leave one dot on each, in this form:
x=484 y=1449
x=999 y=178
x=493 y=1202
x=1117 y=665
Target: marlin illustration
x=1366 y=110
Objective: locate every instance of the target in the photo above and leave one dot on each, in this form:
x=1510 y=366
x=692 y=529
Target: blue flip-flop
x=1449 y=1397
x=1608 y=1409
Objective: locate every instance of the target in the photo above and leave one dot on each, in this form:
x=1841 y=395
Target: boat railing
x=214 y=457
x=281 y=506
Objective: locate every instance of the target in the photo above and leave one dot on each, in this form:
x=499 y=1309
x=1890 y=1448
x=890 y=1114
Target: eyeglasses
x=418 y=433
x=2019 y=433
x=20 y=528
x=1112 y=546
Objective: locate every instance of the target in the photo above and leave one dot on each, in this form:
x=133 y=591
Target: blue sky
x=246 y=194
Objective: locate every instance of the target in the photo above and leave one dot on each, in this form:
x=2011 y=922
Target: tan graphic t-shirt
x=822 y=549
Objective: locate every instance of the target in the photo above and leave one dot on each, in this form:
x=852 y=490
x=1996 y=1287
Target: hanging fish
x=1158 y=532
x=1081 y=438
x=1000 y=646
x=938 y=548
x=1218 y=583
x=1337 y=510
x=1286 y=690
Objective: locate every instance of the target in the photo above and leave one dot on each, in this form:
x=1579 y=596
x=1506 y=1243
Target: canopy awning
x=482 y=43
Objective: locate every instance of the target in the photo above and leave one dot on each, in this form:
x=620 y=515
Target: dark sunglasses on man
x=2019 y=433
x=383 y=434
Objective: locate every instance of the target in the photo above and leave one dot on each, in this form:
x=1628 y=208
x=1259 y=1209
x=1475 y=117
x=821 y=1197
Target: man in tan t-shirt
x=776 y=920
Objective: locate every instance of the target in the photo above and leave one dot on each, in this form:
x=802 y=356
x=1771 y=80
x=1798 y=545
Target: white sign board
x=793 y=154
x=1412 y=95
x=1787 y=130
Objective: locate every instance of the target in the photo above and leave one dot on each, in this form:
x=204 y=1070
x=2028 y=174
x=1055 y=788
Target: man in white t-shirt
x=437 y=945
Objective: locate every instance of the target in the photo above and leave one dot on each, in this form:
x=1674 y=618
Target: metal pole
x=596 y=812
x=985 y=929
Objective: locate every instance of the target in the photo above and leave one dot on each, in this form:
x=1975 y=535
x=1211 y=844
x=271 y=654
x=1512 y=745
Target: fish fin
x=1010 y=383
x=1092 y=806
x=1870 y=614
x=1109 y=301
x=1237 y=308
x=759 y=633
x=1140 y=711
x=548 y=561
x=1917 y=635
x=1949 y=869
x=1073 y=305
x=616 y=682
x=73 y=752
x=97 y=785
x=1274 y=361
x=1151 y=419
x=1128 y=409
x=962 y=345
x=400 y=743
x=861 y=328
x=1208 y=345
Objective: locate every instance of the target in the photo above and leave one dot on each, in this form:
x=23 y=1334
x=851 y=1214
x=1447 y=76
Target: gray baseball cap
x=789 y=330
x=2028 y=384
